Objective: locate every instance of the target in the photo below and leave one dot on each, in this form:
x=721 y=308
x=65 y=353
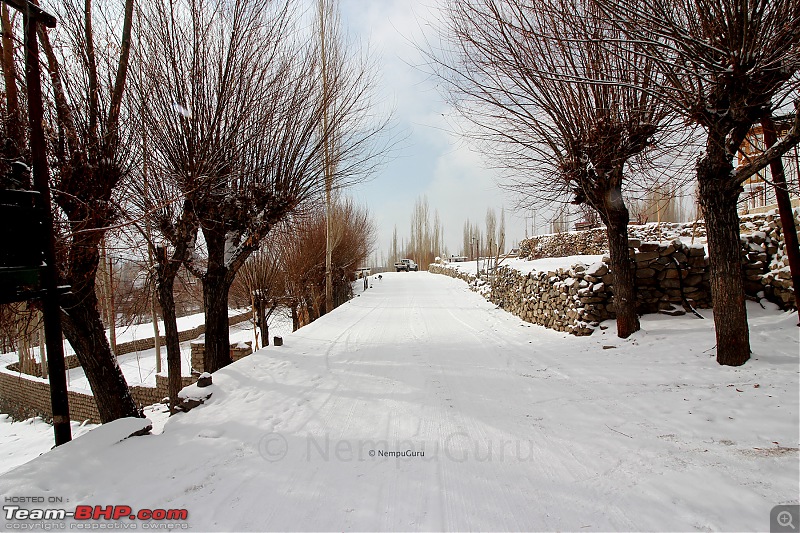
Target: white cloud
x=433 y=161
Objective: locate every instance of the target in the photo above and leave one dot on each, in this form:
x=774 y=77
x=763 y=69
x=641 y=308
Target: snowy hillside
x=420 y=406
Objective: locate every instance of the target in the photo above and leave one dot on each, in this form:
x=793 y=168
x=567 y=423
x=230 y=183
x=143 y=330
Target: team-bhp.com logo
x=96 y=512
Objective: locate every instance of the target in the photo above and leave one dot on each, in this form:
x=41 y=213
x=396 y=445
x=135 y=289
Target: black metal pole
x=41 y=179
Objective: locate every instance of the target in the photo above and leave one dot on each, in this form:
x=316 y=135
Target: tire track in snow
x=552 y=459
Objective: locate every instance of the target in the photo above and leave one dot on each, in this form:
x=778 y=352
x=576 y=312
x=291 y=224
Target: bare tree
x=555 y=93
x=105 y=275
x=491 y=231
x=331 y=49
x=660 y=204
x=466 y=240
x=302 y=254
x=421 y=246
x=438 y=235
x=723 y=65
x=205 y=129
x=20 y=328
x=237 y=106
x=88 y=74
x=472 y=239
x=262 y=283
x=356 y=241
x=560 y=221
x=160 y=202
x=303 y=250
x=501 y=232
x=393 y=249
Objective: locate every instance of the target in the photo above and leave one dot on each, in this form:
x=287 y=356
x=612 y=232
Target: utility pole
x=328 y=20
x=327 y=166
x=33 y=16
x=326 y=160
x=148 y=233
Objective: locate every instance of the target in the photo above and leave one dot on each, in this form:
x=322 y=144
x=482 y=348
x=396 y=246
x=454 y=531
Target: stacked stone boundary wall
x=764 y=257
x=23 y=396
x=671 y=276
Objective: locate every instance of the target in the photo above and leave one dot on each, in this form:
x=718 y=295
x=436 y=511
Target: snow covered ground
x=139 y=367
x=22 y=441
x=525 y=266
x=522 y=428
x=126 y=334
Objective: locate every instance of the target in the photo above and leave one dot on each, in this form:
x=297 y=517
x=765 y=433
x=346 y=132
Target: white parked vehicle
x=406 y=265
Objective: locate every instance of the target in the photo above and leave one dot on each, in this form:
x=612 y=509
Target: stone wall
x=766 y=267
x=595 y=242
x=669 y=275
x=672 y=277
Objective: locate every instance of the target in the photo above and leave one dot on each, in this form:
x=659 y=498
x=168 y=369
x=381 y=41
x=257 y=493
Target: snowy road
x=522 y=428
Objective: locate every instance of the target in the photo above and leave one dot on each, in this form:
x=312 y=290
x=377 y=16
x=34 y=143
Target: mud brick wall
x=238 y=351
x=24 y=396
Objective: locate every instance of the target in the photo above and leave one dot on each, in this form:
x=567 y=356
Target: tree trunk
x=215 y=300
x=85 y=331
x=785 y=209
x=156 y=333
x=23 y=338
x=83 y=327
x=263 y=327
x=42 y=349
x=312 y=311
x=15 y=137
x=108 y=294
x=166 y=299
x=622 y=271
x=724 y=248
x=254 y=303
x=216 y=284
x=265 y=332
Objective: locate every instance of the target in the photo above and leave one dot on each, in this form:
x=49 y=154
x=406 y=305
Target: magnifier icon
x=785 y=519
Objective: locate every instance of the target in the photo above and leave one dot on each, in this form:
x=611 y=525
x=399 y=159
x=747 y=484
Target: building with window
x=759 y=192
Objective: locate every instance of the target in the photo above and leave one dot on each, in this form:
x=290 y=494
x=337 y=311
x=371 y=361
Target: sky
x=430 y=160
